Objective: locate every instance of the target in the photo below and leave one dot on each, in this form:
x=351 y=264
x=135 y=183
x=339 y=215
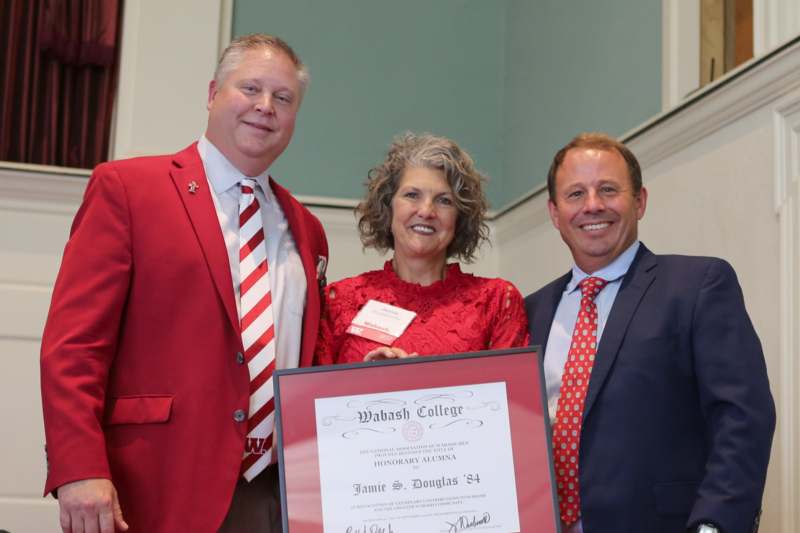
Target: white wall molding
x=532 y=212
x=775 y=22
x=57 y=189
x=787 y=207
x=49 y=192
x=751 y=86
x=346 y=204
x=41 y=191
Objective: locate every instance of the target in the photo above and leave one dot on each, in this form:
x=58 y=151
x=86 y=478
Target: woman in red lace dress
x=426 y=203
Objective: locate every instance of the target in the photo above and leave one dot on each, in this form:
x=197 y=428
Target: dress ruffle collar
x=452 y=279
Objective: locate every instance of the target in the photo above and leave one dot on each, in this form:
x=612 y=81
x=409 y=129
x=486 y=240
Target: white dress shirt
x=287 y=278
x=560 y=337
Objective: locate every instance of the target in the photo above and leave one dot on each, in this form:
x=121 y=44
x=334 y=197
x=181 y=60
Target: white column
x=680 y=50
x=774 y=23
x=165 y=67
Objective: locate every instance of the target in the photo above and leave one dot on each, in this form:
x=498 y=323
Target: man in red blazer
x=146 y=383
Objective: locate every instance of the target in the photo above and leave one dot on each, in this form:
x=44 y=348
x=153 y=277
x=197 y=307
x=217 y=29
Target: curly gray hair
x=425 y=151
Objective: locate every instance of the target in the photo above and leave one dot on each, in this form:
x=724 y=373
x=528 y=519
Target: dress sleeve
x=509 y=323
x=328 y=342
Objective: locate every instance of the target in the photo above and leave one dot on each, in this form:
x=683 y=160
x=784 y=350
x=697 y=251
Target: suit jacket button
x=239 y=415
x=240 y=358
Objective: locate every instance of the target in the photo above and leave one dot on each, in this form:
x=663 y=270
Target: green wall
x=574 y=66
x=379 y=68
x=510 y=80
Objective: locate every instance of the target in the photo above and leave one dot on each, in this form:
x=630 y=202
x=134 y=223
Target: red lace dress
x=462 y=313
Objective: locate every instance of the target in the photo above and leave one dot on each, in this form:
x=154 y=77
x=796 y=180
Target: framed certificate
x=430 y=444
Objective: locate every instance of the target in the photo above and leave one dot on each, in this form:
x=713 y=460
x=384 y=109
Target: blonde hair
x=232 y=56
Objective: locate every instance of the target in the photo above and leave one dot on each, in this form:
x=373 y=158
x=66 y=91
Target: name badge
x=381 y=322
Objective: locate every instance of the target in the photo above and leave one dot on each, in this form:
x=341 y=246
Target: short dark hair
x=597 y=141
x=425 y=151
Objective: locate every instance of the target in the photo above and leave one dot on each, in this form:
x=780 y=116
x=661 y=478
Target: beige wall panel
x=531 y=252
x=28 y=516
x=716 y=198
x=31 y=252
x=346 y=255
x=22 y=447
x=486 y=262
x=22 y=313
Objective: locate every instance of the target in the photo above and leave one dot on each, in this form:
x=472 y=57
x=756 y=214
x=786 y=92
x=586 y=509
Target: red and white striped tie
x=258 y=331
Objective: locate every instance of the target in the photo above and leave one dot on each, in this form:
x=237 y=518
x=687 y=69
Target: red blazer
x=140 y=378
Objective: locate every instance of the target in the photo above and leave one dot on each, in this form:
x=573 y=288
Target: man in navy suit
x=677 y=416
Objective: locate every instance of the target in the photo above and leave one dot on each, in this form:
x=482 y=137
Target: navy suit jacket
x=679 y=418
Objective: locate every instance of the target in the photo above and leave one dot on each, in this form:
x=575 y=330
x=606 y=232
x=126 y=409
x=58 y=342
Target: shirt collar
x=611 y=272
x=222 y=174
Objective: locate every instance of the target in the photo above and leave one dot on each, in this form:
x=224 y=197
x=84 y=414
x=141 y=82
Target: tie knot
x=248 y=185
x=591 y=287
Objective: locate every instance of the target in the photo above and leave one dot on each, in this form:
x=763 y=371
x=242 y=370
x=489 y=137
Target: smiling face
x=595 y=208
x=424 y=215
x=252 y=111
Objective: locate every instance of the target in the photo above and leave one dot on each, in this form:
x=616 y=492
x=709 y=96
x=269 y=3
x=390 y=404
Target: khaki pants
x=256 y=506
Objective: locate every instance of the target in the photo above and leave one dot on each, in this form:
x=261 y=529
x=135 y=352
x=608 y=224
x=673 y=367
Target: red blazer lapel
x=297 y=225
x=193 y=188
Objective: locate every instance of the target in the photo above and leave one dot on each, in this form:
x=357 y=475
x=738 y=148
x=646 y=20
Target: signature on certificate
x=373 y=528
x=467 y=522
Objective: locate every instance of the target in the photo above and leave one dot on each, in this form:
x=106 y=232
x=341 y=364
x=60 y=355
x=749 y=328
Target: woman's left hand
x=388 y=352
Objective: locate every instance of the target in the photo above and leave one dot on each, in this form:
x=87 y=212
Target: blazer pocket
x=675 y=498
x=150 y=409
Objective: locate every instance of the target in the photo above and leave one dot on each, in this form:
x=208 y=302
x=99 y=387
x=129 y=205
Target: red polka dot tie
x=569 y=413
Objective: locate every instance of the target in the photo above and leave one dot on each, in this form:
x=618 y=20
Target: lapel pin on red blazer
x=193 y=186
x=322 y=265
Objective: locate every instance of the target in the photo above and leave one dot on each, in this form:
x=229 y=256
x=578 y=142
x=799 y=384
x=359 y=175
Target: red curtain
x=59 y=66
